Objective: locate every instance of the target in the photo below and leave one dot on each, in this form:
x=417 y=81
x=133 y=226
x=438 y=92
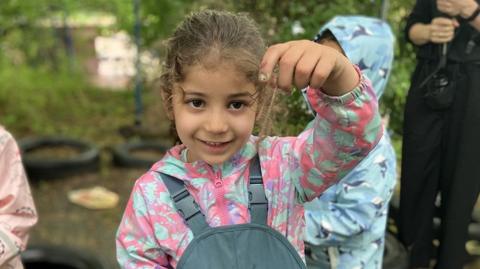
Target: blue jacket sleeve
x=348 y=210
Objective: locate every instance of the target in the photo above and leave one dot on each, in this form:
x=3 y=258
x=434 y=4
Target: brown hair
x=208 y=37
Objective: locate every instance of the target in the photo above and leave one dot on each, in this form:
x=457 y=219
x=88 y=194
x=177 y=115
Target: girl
x=215 y=87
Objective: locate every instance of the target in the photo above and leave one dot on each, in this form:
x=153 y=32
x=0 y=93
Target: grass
x=39 y=102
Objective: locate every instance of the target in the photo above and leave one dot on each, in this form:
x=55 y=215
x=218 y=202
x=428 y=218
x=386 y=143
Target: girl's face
x=214 y=112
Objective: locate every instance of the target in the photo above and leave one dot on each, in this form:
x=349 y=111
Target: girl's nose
x=216 y=122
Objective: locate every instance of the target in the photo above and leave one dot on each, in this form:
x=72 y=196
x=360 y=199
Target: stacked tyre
x=59 y=257
x=83 y=157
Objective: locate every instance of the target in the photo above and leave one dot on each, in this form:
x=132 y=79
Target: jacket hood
x=368 y=42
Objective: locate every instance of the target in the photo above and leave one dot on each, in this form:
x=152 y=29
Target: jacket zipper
x=220 y=196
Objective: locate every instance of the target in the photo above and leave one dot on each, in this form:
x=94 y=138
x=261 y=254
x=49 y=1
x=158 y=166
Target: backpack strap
x=190 y=211
x=185 y=204
x=258 y=203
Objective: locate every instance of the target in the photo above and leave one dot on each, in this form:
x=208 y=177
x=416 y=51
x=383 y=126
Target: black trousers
x=439 y=156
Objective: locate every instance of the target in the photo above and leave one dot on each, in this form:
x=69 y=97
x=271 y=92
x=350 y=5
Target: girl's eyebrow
x=200 y=93
x=193 y=93
x=241 y=94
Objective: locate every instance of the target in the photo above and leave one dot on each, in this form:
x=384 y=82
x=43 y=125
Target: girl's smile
x=214 y=112
x=215 y=147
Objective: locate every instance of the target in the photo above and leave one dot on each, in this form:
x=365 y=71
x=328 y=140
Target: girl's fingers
x=270 y=60
x=304 y=69
x=300 y=63
x=287 y=65
x=322 y=71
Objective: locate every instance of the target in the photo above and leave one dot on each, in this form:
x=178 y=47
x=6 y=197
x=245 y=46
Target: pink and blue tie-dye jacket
x=17 y=210
x=294 y=169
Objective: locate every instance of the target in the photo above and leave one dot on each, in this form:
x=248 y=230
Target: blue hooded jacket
x=346 y=225
x=367 y=42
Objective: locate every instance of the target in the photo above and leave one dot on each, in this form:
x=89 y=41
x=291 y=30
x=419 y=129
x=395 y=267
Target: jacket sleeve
x=136 y=236
x=343 y=132
x=351 y=207
x=17 y=210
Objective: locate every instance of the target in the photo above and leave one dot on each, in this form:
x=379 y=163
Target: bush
x=35 y=101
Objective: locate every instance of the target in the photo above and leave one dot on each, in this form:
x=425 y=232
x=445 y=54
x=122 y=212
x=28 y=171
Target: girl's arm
x=343 y=132
x=135 y=241
x=347 y=125
x=148 y=232
x=17 y=211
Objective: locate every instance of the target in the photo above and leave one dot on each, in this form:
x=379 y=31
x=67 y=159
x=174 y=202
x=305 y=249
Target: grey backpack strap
x=258 y=203
x=185 y=204
x=189 y=210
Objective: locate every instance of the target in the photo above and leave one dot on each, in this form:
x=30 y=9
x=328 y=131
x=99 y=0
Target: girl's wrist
x=344 y=82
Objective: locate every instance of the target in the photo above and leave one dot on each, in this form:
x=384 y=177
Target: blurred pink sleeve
x=17 y=210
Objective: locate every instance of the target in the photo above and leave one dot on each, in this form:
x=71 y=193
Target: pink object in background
x=17 y=210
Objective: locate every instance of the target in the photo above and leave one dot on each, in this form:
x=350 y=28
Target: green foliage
x=157 y=18
x=36 y=101
x=28 y=43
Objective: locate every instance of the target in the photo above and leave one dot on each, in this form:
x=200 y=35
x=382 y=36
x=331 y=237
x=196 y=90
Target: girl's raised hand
x=305 y=63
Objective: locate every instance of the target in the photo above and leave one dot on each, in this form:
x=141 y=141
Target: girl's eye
x=196 y=103
x=236 y=105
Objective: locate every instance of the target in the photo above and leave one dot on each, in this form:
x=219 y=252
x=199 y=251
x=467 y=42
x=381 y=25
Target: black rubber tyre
x=123 y=155
x=86 y=160
x=395 y=255
x=58 y=257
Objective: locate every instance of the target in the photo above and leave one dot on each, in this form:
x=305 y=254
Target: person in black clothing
x=441 y=132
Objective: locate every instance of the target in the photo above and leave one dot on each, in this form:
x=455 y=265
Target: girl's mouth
x=215 y=147
x=214 y=144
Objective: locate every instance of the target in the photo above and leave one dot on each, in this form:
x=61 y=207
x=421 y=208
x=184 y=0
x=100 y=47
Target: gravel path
x=66 y=224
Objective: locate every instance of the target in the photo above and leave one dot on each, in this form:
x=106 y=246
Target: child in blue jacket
x=346 y=225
